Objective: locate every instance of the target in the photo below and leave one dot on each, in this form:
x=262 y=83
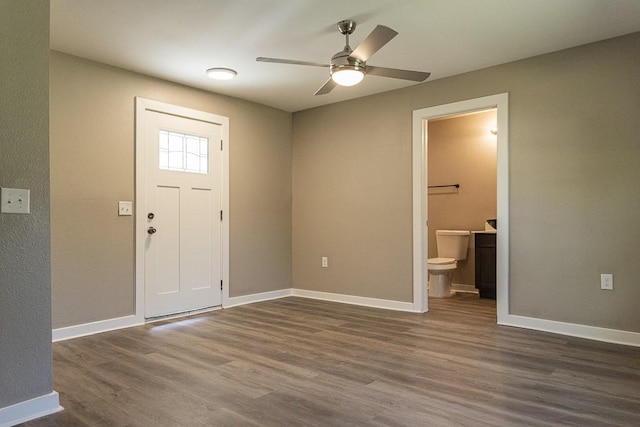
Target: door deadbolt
x=150 y=215
x=151 y=230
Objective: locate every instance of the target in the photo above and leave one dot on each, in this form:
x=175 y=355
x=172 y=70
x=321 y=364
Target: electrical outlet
x=606 y=281
x=325 y=262
x=125 y=208
x=15 y=200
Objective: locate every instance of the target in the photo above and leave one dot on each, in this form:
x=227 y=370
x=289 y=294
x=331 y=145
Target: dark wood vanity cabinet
x=485 y=253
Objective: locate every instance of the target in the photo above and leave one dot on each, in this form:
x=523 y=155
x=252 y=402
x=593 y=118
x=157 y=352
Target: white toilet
x=452 y=247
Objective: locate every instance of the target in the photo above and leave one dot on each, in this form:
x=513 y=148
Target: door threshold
x=471 y=289
x=182 y=314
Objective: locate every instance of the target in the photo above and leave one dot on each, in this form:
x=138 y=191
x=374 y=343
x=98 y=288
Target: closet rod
x=442 y=186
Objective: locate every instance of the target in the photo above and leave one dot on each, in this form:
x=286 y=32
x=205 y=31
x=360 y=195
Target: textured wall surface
x=573 y=176
x=92 y=168
x=25 y=278
x=351 y=168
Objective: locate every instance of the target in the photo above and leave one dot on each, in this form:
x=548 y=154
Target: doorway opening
x=421 y=119
x=461 y=196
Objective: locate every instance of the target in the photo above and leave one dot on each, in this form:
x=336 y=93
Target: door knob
x=151 y=230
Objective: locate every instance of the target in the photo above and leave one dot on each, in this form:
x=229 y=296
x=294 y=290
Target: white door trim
x=142 y=105
x=420 y=144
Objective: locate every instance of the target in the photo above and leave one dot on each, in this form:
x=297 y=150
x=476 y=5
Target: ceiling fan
x=348 y=67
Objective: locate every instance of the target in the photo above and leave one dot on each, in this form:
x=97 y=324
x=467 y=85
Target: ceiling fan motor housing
x=342 y=60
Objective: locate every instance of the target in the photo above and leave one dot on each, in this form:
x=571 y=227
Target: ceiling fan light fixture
x=221 y=73
x=349 y=66
x=347 y=76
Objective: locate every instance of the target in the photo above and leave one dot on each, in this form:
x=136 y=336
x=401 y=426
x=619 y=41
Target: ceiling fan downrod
x=347 y=28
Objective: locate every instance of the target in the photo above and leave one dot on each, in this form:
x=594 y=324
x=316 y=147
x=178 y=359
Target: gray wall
x=92 y=167
x=25 y=281
x=574 y=196
x=352 y=198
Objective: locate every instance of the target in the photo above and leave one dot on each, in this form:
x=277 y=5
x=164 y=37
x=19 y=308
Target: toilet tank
x=452 y=244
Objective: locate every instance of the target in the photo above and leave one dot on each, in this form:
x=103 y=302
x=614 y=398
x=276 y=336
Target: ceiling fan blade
x=416 y=76
x=326 y=87
x=380 y=36
x=289 y=61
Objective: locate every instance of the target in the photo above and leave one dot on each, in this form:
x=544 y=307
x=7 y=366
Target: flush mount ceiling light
x=221 y=73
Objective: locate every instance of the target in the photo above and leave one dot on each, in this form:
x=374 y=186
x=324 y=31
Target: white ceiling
x=178 y=40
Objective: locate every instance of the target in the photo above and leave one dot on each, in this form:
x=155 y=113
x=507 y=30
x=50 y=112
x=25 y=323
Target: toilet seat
x=440 y=264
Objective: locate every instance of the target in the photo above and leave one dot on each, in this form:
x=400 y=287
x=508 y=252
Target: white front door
x=182 y=214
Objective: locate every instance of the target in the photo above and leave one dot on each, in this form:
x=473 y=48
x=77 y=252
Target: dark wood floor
x=300 y=362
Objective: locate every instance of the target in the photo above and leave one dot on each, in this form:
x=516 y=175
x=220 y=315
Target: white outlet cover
x=125 y=208
x=15 y=200
x=606 y=281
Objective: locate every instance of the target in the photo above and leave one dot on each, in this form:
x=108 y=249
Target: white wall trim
x=263 y=296
x=356 y=300
x=225 y=209
x=419 y=190
x=141 y=106
x=61 y=334
x=420 y=144
x=574 y=330
x=31 y=409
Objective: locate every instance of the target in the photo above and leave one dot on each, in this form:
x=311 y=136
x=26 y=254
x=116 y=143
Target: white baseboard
x=30 y=409
x=61 y=334
x=84 y=329
x=263 y=296
x=574 y=330
x=355 y=300
x=570 y=329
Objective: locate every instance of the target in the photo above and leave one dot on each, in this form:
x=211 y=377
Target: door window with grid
x=183 y=152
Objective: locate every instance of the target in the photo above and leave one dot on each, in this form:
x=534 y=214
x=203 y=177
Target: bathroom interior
x=462 y=204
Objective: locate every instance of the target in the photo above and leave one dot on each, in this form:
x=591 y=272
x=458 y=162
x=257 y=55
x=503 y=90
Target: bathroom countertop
x=484 y=232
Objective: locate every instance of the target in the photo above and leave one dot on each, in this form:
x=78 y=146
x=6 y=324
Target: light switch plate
x=125 y=208
x=14 y=200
